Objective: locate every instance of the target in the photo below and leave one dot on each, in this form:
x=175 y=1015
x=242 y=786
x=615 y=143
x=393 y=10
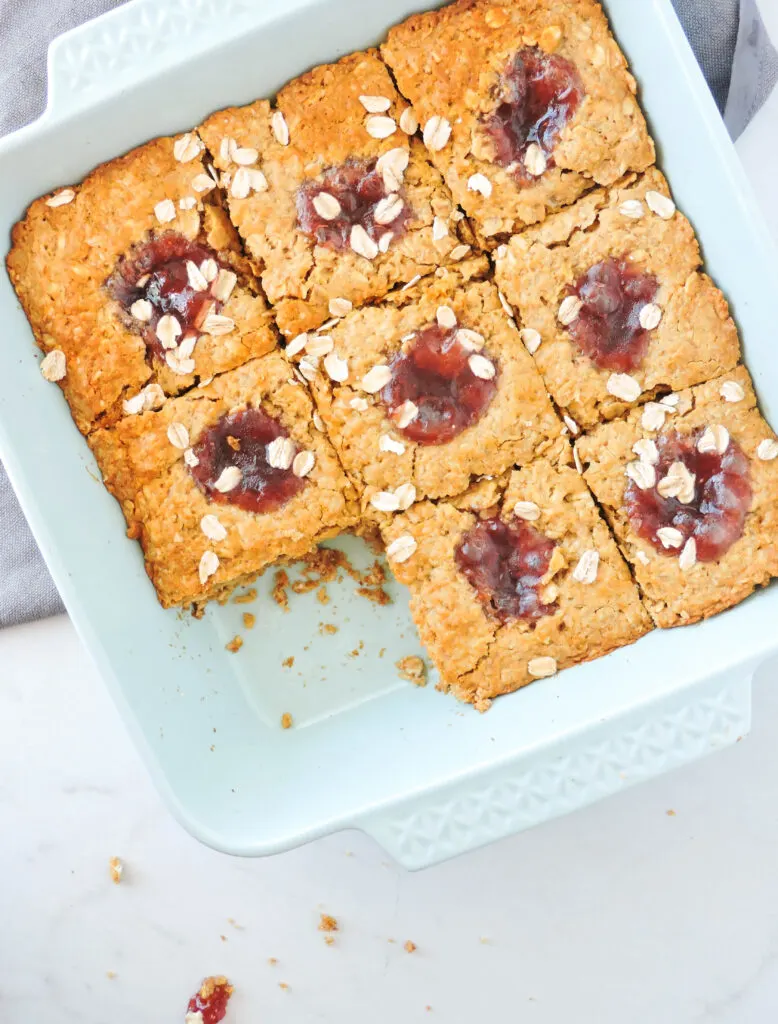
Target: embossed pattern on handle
x=510 y=799
x=122 y=46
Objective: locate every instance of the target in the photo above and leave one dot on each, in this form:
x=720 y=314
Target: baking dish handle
x=565 y=776
x=104 y=56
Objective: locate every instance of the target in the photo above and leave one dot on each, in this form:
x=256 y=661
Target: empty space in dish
x=332 y=672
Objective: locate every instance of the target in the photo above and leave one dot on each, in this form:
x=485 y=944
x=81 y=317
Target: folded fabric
x=755 y=64
x=711 y=27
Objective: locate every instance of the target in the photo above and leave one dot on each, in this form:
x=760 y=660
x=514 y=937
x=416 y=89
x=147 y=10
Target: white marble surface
x=618 y=913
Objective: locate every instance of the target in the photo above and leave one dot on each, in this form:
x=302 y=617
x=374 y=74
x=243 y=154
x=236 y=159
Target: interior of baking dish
x=366 y=748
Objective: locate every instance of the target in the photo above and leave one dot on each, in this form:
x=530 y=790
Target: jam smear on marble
x=505 y=563
x=211 y=1000
x=434 y=373
x=608 y=329
x=241 y=439
x=358 y=188
x=156 y=270
x=539 y=94
x=722 y=497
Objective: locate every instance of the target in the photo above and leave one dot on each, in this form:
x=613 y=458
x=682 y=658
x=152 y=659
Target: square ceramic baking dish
x=426 y=777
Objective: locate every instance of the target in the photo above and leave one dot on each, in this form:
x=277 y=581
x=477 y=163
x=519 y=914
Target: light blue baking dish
x=426 y=777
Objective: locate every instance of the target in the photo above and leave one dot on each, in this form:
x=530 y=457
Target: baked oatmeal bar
x=429 y=389
x=690 y=488
x=509 y=588
x=134 y=284
x=524 y=105
x=613 y=301
x=225 y=480
x=340 y=204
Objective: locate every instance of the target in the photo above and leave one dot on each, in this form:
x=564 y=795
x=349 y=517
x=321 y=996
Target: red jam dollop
x=357 y=188
x=539 y=94
x=434 y=374
x=505 y=564
x=716 y=515
x=211 y=1000
x=156 y=270
x=608 y=329
x=241 y=439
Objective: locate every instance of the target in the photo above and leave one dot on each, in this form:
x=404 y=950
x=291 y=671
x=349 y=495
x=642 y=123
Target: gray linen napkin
x=27 y=590
x=26 y=27
x=712 y=27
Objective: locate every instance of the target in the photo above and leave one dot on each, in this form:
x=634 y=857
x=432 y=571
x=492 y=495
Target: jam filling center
x=505 y=564
x=434 y=394
x=351 y=195
x=607 y=328
x=155 y=280
x=240 y=441
x=539 y=94
x=715 y=516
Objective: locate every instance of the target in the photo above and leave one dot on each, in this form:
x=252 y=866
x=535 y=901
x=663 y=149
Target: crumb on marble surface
x=209 y=1004
x=116 y=869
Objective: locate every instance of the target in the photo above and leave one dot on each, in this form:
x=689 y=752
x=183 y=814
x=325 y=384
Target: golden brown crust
x=672 y=596
x=696 y=338
x=477 y=657
x=163 y=505
x=448 y=64
x=326 y=123
x=62 y=256
x=519 y=424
